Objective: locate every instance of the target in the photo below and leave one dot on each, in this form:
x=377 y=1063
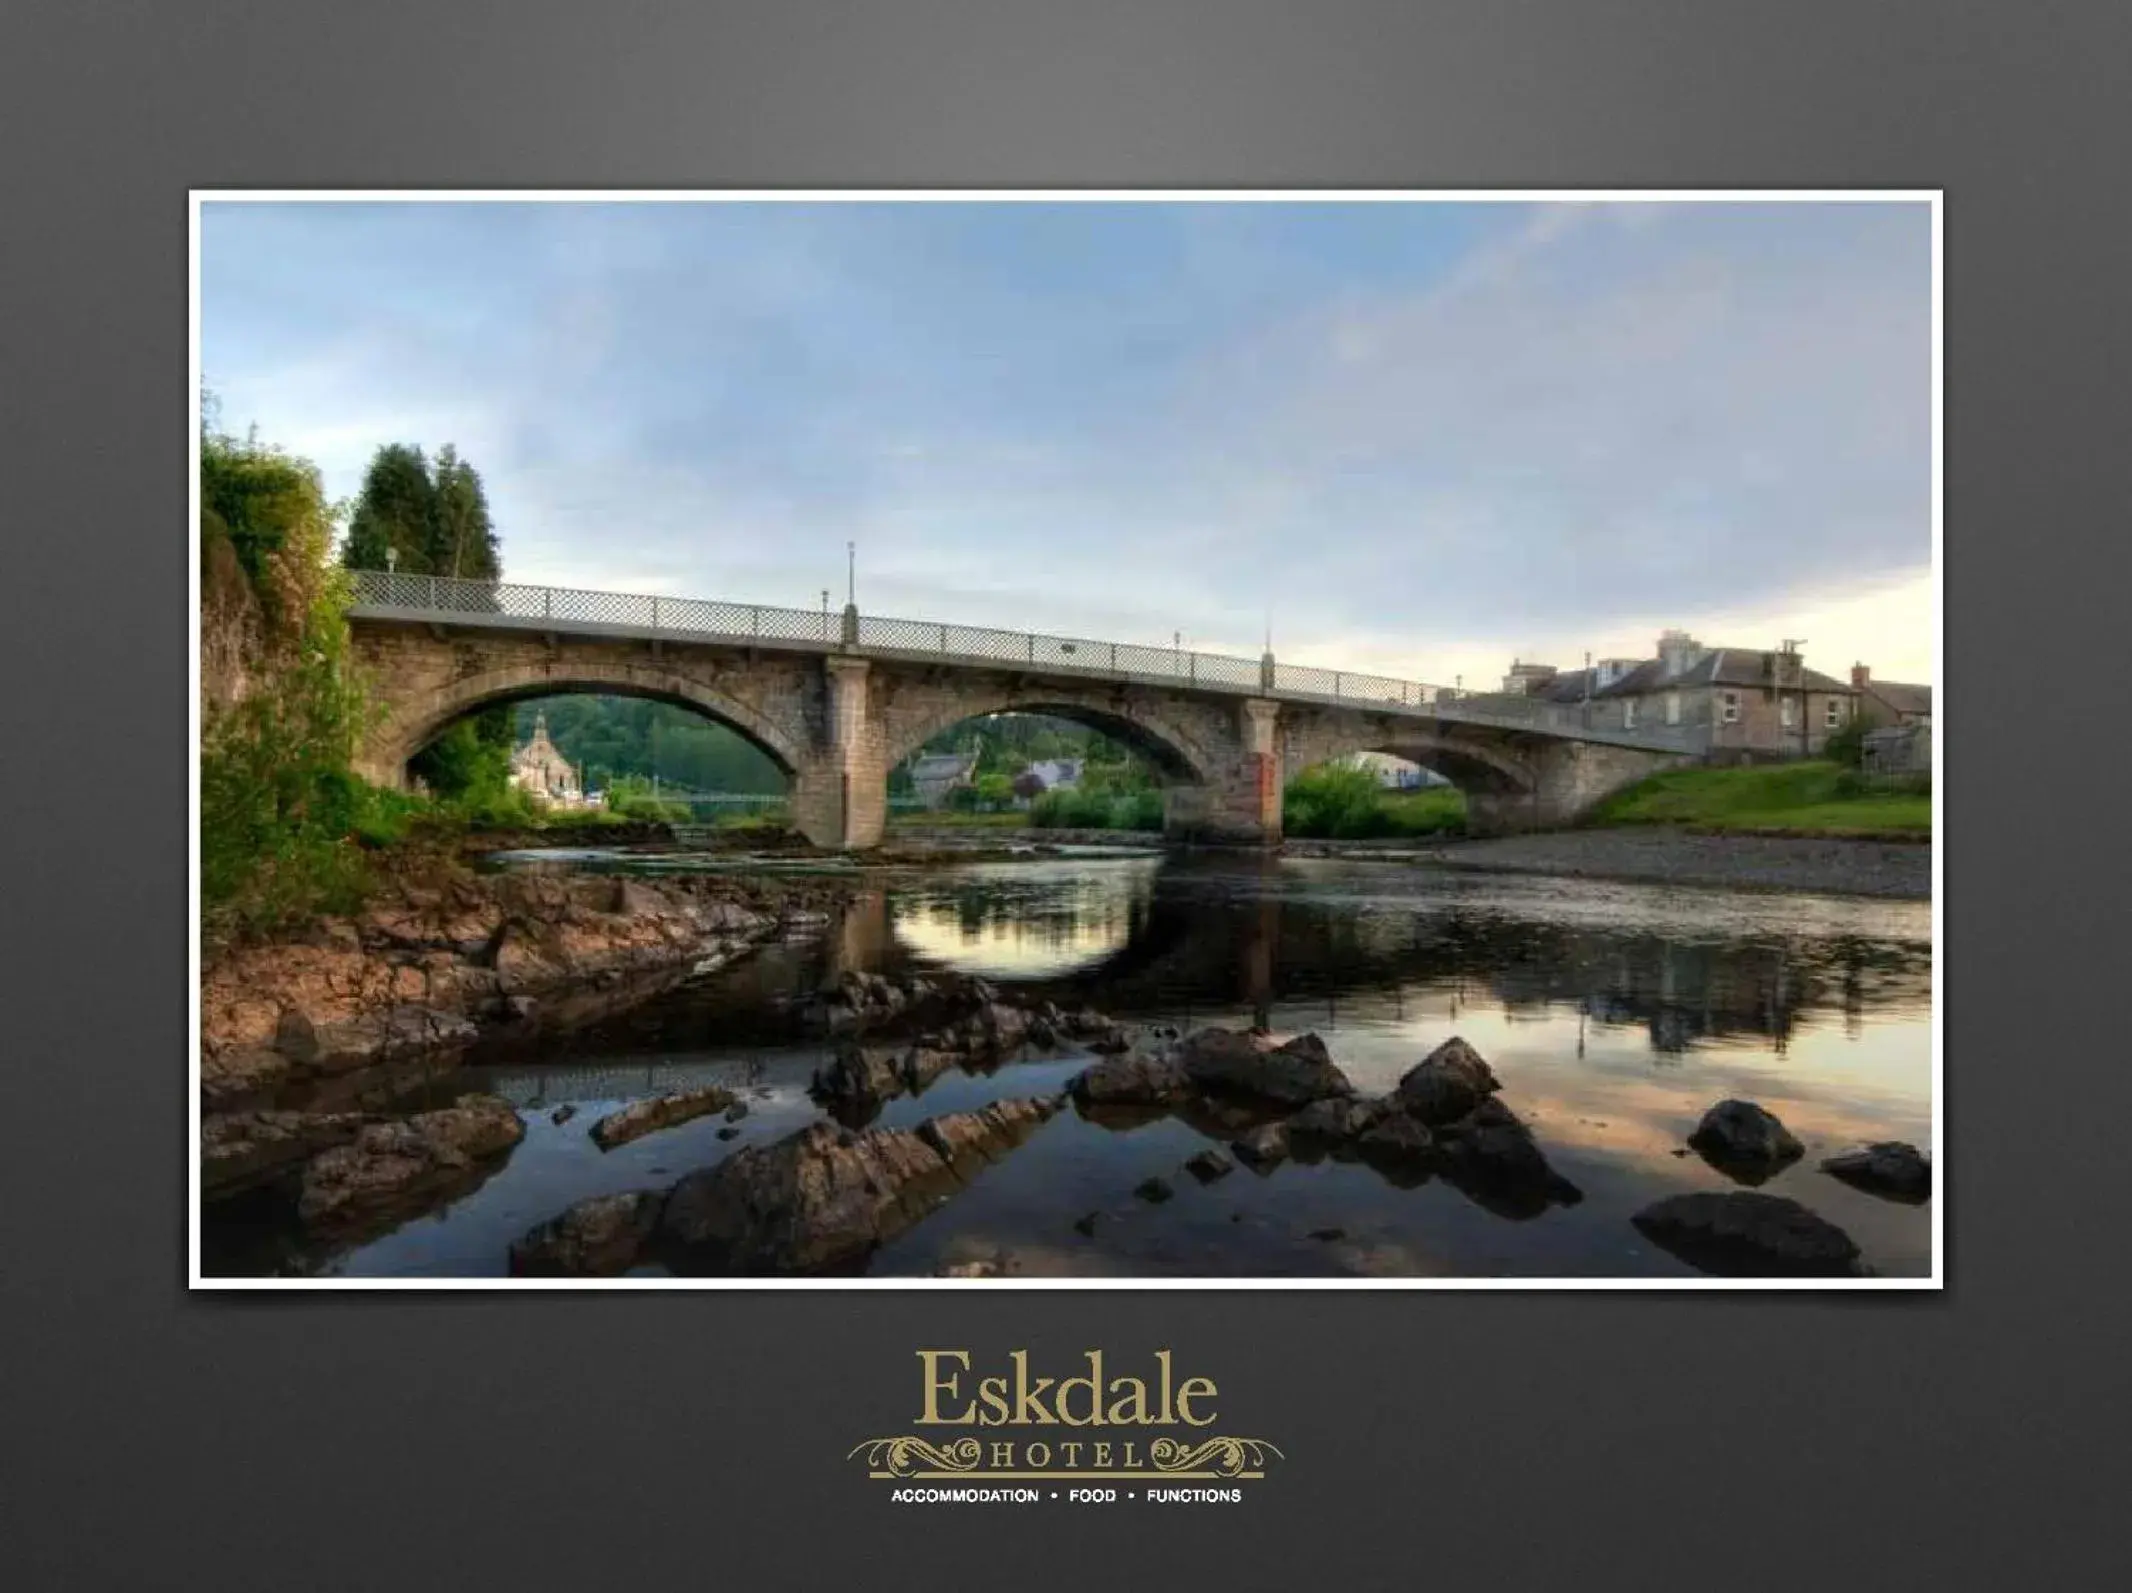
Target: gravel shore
x=1679 y=857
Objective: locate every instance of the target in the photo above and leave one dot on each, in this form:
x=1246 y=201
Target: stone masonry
x=837 y=723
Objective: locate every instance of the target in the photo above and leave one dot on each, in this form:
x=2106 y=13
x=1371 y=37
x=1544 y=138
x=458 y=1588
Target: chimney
x=1860 y=676
x=1677 y=650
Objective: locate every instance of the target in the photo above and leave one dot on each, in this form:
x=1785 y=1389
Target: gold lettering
x=935 y=1386
x=1037 y=1456
x=1002 y=1455
x=1029 y=1408
x=992 y=1394
x=1194 y=1388
x=1128 y=1407
x=1102 y=1456
x=1093 y=1382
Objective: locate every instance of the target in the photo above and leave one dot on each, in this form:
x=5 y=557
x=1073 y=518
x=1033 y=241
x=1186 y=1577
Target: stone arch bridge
x=838 y=700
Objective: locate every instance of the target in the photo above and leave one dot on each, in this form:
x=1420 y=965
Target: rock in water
x=1447 y=1083
x=1742 y=1234
x=1294 y=1074
x=639 y=1118
x=1493 y=1160
x=1263 y=1149
x=1209 y=1165
x=1336 y=1123
x=1744 y=1142
x=1130 y=1081
x=1891 y=1168
x=596 y=1238
x=239 y=1150
x=387 y=1165
x=1399 y=1146
x=823 y=1198
x=1154 y=1190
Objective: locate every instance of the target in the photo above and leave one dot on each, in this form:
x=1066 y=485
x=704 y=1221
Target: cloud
x=1423 y=437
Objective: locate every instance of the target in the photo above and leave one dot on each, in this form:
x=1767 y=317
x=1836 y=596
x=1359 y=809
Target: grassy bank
x=1811 y=798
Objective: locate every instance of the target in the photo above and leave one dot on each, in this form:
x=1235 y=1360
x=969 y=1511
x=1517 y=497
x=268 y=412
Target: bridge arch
x=1179 y=753
x=412 y=723
x=1481 y=767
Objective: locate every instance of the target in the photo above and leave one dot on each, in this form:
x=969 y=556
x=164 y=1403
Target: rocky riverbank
x=307 y=1041
x=1899 y=870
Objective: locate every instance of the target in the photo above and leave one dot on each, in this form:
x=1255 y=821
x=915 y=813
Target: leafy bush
x=1846 y=744
x=1336 y=802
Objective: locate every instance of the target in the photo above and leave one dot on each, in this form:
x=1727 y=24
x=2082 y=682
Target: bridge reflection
x=1183 y=937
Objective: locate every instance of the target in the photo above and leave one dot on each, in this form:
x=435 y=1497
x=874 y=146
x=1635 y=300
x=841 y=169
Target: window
x=1672 y=707
x=1787 y=711
x=1628 y=713
x=1833 y=717
x=1729 y=707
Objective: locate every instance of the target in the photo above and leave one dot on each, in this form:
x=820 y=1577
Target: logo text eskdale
x=1086 y=1399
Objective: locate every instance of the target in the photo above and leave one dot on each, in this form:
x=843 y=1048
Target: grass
x=1810 y=798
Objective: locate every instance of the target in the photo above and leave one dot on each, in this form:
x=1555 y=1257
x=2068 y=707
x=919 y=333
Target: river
x=1614 y=1014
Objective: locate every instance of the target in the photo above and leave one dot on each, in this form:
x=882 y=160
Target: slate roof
x=1901 y=698
x=1719 y=666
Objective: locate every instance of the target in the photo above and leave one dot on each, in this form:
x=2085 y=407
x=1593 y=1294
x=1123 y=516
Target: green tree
x=395 y=521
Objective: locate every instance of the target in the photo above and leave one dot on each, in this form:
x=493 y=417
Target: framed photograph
x=987 y=739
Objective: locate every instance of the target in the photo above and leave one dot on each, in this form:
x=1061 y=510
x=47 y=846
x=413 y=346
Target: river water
x=1614 y=1014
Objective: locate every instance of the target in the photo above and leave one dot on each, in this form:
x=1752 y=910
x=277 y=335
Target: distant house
x=936 y=774
x=1729 y=704
x=1887 y=702
x=1058 y=774
x=1394 y=774
x=541 y=771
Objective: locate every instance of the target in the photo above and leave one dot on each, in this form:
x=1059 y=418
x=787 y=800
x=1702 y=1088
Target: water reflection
x=1615 y=1014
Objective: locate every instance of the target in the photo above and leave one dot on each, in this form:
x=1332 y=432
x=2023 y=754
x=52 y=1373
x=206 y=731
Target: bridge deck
x=498 y=605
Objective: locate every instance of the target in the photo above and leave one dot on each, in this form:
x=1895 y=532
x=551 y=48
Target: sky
x=1416 y=438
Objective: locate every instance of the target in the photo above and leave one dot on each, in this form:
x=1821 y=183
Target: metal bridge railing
x=386 y=595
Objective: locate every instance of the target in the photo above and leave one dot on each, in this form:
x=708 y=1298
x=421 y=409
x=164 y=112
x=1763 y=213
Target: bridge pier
x=1239 y=801
x=840 y=790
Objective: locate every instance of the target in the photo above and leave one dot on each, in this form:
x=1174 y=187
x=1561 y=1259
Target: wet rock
x=1335 y=1122
x=824 y=1197
x=921 y=1065
x=1294 y=1074
x=1891 y=1168
x=563 y=1113
x=1493 y=1159
x=1110 y=1044
x=648 y=1116
x=596 y=1238
x=737 y=1111
x=1154 y=1190
x=240 y=1150
x=1209 y=1165
x=1042 y=1034
x=1741 y=1233
x=860 y=1074
x=729 y=1132
x=1264 y=1148
x=1328 y=1235
x=387 y=1166
x=1744 y=1142
x=237 y=1075
x=968 y=1140
x=1085 y=1225
x=1398 y=1143
x=368 y=1038
x=1447 y=1084
x=1130 y=1081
